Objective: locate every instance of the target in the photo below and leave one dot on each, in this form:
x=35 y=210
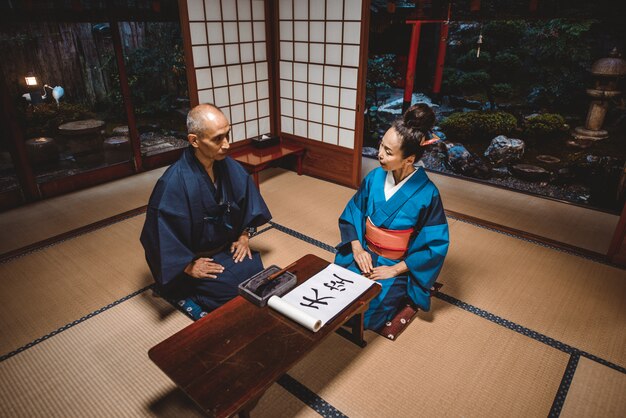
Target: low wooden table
x=226 y=361
x=256 y=160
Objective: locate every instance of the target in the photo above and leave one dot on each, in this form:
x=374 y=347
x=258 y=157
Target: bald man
x=200 y=215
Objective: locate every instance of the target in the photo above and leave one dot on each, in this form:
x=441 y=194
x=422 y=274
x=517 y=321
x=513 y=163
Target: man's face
x=212 y=144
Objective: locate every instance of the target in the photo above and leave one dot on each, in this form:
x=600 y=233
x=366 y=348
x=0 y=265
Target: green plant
x=544 y=125
x=502 y=91
x=156 y=72
x=380 y=74
x=477 y=126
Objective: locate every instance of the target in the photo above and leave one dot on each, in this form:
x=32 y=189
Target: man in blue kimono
x=200 y=215
x=394 y=229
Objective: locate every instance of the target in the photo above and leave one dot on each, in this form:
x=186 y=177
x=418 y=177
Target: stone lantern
x=607 y=72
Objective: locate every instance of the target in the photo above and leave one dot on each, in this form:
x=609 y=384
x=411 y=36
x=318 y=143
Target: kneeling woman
x=394 y=229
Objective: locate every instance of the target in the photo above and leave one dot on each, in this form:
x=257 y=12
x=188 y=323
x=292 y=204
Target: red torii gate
x=412 y=59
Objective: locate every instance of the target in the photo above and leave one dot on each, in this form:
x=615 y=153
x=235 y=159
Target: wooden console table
x=256 y=160
x=228 y=359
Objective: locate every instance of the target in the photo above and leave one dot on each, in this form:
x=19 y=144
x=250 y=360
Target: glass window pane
x=155 y=65
x=71 y=110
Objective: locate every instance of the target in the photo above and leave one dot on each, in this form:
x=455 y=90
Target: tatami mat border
x=73 y=323
x=303 y=237
x=566 y=382
x=49 y=242
x=309 y=397
x=534 y=239
x=527 y=332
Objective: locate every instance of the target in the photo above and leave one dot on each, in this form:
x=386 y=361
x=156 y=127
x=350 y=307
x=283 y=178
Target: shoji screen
x=228 y=42
x=318 y=69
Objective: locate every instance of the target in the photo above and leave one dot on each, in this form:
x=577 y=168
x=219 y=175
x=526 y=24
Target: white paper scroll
x=322 y=297
x=294 y=313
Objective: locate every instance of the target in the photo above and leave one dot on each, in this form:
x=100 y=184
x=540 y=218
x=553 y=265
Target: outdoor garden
x=515 y=108
x=73 y=117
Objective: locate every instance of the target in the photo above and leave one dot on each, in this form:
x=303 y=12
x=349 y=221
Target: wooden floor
x=520 y=329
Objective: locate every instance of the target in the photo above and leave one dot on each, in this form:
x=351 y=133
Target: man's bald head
x=204 y=117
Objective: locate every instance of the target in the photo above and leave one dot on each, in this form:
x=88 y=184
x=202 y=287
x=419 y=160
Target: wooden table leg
x=245 y=411
x=356 y=336
x=255 y=175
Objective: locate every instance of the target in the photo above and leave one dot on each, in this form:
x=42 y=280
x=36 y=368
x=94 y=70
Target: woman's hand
x=362 y=258
x=240 y=248
x=204 y=268
x=387 y=272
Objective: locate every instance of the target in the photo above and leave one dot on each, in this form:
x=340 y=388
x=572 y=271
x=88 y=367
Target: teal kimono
x=417 y=205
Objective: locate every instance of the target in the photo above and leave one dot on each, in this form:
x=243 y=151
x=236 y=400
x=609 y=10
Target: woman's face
x=389 y=152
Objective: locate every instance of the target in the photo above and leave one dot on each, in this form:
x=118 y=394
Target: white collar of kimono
x=390 y=187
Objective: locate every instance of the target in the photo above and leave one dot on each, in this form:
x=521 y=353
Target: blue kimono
x=417 y=205
x=188 y=215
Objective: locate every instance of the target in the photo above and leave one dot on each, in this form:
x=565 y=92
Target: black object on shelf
x=265 y=141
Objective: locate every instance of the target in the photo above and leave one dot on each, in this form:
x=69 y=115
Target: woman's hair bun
x=419 y=117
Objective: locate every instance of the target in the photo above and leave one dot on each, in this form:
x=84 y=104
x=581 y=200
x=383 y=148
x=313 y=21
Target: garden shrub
x=502 y=90
x=544 y=125
x=477 y=126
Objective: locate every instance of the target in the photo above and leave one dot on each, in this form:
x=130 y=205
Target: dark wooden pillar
x=133 y=133
x=16 y=144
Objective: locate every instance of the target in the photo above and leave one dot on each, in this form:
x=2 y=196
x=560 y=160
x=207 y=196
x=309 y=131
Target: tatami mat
x=97 y=368
x=314 y=205
x=581 y=227
x=277 y=402
x=574 y=225
x=42 y=220
x=596 y=391
x=310 y=205
x=100 y=368
x=93 y=270
x=569 y=298
x=281 y=249
x=447 y=363
x=47 y=289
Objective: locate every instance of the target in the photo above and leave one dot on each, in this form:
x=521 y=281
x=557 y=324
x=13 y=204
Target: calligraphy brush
x=261 y=289
x=280 y=272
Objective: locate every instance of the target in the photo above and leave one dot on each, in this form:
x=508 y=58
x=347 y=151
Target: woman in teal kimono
x=394 y=229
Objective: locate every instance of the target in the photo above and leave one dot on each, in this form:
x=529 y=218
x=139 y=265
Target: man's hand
x=362 y=258
x=241 y=249
x=203 y=268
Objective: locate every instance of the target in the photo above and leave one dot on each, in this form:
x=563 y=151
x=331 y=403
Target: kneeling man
x=200 y=216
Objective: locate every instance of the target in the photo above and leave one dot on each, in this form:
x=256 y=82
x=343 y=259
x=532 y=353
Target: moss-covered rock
x=478 y=126
x=544 y=125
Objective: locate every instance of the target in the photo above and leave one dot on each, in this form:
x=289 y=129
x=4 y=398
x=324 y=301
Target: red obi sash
x=388 y=243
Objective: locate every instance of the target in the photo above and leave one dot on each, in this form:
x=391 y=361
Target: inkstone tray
x=257 y=289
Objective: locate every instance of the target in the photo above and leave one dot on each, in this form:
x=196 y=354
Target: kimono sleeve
x=166 y=235
x=429 y=248
x=256 y=211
